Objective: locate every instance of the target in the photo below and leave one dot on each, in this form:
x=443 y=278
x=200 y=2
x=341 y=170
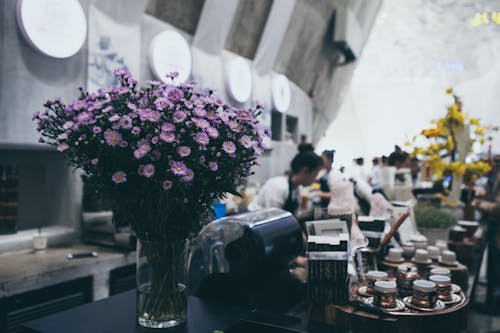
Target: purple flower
x=94 y=161
x=148 y=171
x=68 y=125
x=167 y=127
x=132 y=106
x=246 y=141
x=234 y=126
x=178 y=168
x=82 y=137
x=212 y=132
x=202 y=138
x=96 y=130
x=167 y=137
x=62 y=147
x=107 y=109
x=179 y=116
x=125 y=122
x=154 y=140
x=114 y=118
x=84 y=117
x=229 y=147
x=189 y=175
x=113 y=138
x=174 y=94
x=199 y=111
x=136 y=130
x=244 y=115
x=201 y=123
x=213 y=166
x=142 y=149
x=172 y=75
x=79 y=105
x=119 y=177
x=62 y=136
x=167 y=184
x=202 y=159
x=123 y=144
x=224 y=116
x=184 y=151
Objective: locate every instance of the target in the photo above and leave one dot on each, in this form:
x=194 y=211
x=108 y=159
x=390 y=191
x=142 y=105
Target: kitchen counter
x=24 y=271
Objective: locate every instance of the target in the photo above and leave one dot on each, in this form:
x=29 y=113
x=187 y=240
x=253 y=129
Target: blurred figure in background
x=328 y=157
x=283 y=191
x=358 y=171
x=375 y=177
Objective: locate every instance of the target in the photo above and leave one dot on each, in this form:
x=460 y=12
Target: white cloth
x=272 y=194
x=375 y=177
x=358 y=173
x=342 y=201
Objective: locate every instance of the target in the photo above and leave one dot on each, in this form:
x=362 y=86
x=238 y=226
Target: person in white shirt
x=283 y=191
x=375 y=177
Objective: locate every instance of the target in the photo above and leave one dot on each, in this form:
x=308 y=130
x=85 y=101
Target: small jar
x=441 y=271
x=385 y=294
x=405 y=275
x=372 y=277
x=424 y=294
x=443 y=287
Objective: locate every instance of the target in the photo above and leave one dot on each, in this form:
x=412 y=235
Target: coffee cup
x=424 y=294
x=395 y=255
x=385 y=294
x=433 y=253
x=372 y=277
x=422 y=257
x=443 y=287
x=408 y=250
x=469 y=226
x=420 y=241
x=448 y=258
x=440 y=271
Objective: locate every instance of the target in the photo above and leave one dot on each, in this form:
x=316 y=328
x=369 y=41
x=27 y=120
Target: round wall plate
x=170 y=52
x=57 y=28
x=239 y=80
x=281 y=93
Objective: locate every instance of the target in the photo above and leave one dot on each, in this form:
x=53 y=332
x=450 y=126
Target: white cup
x=40 y=243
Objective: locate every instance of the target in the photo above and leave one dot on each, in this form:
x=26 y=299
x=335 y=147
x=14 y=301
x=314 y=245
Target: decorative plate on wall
x=57 y=28
x=281 y=94
x=170 y=52
x=239 y=79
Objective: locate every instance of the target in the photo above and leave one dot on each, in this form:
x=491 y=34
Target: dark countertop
x=117 y=314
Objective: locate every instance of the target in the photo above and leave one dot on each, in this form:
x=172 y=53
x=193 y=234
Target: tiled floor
x=480 y=322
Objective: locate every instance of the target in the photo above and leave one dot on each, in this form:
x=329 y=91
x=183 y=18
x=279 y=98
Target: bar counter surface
x=117 y=314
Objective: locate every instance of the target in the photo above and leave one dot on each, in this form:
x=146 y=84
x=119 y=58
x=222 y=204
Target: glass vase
x=161 y=293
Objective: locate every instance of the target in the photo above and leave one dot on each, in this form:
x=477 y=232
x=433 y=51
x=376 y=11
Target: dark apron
x=291 y=204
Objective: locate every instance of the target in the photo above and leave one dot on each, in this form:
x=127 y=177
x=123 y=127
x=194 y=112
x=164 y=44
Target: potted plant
x=433 y=222
x=162 y=155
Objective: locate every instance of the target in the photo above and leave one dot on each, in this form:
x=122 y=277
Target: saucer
x=399 y=305
x=362 y=292
x=455 y=299
x=437 y=307
x=429 y=261
x=394 y=261
x=455 y=288
x=449 y=264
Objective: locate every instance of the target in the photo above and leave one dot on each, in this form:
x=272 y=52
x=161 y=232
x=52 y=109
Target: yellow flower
x=479 y=131
x=449 y=91
x=481 y=141
x=474 y=121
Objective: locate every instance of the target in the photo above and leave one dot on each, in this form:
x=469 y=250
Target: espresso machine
x=246 y=260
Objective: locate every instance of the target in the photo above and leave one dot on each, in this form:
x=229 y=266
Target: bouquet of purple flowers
x=162 y=154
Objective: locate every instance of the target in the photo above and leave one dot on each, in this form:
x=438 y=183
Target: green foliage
x=428 y=216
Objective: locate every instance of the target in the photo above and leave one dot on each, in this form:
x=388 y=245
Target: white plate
x=170 y=52
x=57 y=28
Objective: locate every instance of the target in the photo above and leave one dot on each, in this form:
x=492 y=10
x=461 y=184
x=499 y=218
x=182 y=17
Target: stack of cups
x=371 y=278
x=443 y=287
